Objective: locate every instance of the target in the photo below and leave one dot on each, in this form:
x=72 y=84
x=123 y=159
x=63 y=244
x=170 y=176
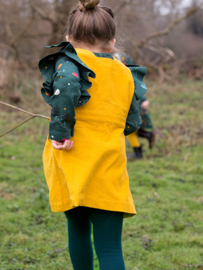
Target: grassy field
x=166 y=185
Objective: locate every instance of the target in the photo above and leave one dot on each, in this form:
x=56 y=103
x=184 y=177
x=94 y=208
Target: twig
x=19 y=109
x=160 y=50
x=1 y=135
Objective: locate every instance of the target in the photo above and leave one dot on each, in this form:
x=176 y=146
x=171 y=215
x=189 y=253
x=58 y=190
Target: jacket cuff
x=60 y=136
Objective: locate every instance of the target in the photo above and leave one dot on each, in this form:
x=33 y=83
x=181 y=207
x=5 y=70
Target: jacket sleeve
x=142 y=99
x=66 y=94
x=134 y=121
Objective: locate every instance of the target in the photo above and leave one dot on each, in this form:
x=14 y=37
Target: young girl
x=146 y=129
x=88 y=179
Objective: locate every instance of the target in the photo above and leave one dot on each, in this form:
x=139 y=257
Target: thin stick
x=19 y=109
x=1 y=135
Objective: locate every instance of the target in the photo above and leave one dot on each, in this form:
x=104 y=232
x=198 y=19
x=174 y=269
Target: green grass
x=166 y=185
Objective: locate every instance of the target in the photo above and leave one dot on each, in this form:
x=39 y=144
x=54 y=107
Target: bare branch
x=16 y=38
x=24 y=111
x=162 y=74
x=160 y=50
x=22 y=32
x=44 y=15
x=1 y=135
x=28 y=119
x=164 y=32
x=8 y=28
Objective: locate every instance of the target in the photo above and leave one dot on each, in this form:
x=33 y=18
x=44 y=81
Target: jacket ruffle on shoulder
x=138 y=74
x=47 y=69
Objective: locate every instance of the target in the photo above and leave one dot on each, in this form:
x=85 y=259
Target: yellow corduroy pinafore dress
x=93 y=173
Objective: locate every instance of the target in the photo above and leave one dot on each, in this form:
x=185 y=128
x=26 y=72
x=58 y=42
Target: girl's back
x=111 y=92
x=94 y=171
x=89 y=180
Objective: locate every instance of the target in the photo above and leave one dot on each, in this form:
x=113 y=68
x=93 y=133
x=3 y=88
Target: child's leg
x=107 y=230
x=133 y=140
x=79 y=238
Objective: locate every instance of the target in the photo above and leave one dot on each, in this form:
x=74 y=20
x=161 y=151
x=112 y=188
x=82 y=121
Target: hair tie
x=87 y=4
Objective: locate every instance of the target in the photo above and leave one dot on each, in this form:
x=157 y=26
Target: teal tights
x=107 y=231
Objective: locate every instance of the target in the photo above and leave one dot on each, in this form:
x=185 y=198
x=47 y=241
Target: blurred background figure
x=146 y=129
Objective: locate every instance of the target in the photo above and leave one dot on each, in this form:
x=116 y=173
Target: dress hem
x=128 y=210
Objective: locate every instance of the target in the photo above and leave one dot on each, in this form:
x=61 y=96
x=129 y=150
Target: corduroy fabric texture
x=93 y=173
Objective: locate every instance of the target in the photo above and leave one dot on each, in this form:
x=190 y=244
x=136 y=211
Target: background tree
x=154 y=32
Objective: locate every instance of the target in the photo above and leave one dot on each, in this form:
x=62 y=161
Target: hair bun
x=87 y=4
